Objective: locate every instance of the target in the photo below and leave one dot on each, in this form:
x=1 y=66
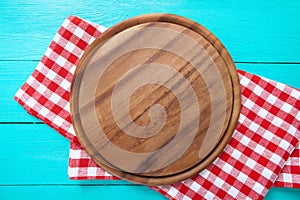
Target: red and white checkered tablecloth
x=262 y=152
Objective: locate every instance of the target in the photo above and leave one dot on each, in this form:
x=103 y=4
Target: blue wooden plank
x=35 y=154
x=75 y=192
x=287 y=73
x=32 y=154
x=251 y=30
x=79 y=192
x=282 y=193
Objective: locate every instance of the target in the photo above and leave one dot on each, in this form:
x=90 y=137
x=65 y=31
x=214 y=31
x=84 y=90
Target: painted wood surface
x=263 y=37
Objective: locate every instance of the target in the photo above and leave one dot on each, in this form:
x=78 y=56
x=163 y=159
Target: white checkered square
x=254 y=127
x=258 y=90
x=209 y=195
x=73 y=171
x=41 y=89
x=275 y=158
x=65 y=84
x=244 y=81
x=92 y=171
x=287 y=177
x=58 y=120
x=268 y=135
x=61 y=61
x=31 y=101
x=44 y=112
x=172 y=192
x=259 y=149
x=51 y=74
x=55 y=98
x=295 y=94
x=195 y=186
x=233 y=192
x=30 y=80
x=204 y=173
x=48 y=52
x=292 y=130
x=236 y=154
x=242 y=118
x=280 y=86
x=21 y=93
x=219 y=182
x=245 y=140
x=78 y=32
x=262 y=113
x=287 y=107
x=242 y=177
x=75 y=154
x=71 y=130
x=277 y=121
x=227 y=168
x=249 y=104
x=298 y=116
x=186 y=198
x=284 y=144
x=250 y=163
x=267 y=173
x=70 y=47
x=258 y=188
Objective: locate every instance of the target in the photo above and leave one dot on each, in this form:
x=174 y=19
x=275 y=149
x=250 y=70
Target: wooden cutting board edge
x=235 y=85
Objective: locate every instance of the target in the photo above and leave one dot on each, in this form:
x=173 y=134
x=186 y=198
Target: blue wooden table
x=263 y=37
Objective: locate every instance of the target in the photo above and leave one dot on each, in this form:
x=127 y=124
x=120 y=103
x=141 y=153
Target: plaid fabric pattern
x=290 y=174
x=46 y=93
x=82 y=167
x=267 y=132
x=266 y=135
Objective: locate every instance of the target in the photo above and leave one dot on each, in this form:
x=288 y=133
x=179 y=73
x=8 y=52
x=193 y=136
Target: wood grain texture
x=253 y=31
x=190 y=74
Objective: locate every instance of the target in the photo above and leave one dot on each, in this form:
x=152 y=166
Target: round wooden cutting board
x=155 y=99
